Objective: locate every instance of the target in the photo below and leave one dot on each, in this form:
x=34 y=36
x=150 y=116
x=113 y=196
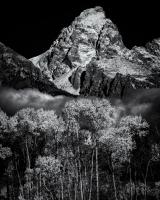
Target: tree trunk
x=19 y=179
x=28 y=157
x=75 y=190
x=130 y=178
x=62 y=188
x=76 y=181
x=8 y=189
x=79 y=167
x=92 y=162
x=145 y=180
x=114 y=182
x=69 y=183
x=80 y=177
x=48 y=190
x=135 y=175
x=85 y=182
x=97 y=173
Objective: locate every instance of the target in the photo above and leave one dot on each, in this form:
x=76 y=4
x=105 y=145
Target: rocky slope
x=18 y=72
x=88 y=58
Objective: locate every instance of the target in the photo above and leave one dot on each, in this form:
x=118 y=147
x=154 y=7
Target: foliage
x=89 y=152
x=5 y=152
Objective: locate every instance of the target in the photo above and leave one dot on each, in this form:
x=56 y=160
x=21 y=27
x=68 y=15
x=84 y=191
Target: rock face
x=89 y=58
x=18 y=72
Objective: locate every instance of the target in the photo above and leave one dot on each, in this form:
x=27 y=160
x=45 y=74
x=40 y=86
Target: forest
x=90 y=151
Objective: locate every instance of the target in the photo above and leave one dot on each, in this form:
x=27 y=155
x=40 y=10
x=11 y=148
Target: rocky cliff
x=18 y=72
x=88 y=58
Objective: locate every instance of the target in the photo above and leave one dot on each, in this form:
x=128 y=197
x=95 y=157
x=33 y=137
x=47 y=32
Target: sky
x=31 y=28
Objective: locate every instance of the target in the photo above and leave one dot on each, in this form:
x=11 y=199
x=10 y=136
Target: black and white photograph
x=79 y=100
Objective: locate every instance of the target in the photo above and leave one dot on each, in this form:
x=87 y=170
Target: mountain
x=88 y=58
x=18 y=72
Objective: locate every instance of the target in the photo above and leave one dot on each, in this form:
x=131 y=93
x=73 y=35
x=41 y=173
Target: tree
x=35 y=132
x=119 y=141
x=3 y=126
x=4 y=151
x=45 y=179
x=33 y=126
x=87 y=116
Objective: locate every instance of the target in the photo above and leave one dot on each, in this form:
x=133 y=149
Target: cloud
x=140 y=108
x=145 y=102
x=12 y=100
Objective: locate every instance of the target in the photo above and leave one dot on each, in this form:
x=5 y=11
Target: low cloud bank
x=12 y=100
x=144 y=102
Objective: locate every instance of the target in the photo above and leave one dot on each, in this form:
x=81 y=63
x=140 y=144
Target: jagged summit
x=89 y=36
x=88 y=58
x=93 y=17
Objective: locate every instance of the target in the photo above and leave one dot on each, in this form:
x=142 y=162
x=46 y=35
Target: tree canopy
x=83 y=154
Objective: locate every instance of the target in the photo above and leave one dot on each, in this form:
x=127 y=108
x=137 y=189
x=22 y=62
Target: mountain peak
x=92 y=18
x=88 y=37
